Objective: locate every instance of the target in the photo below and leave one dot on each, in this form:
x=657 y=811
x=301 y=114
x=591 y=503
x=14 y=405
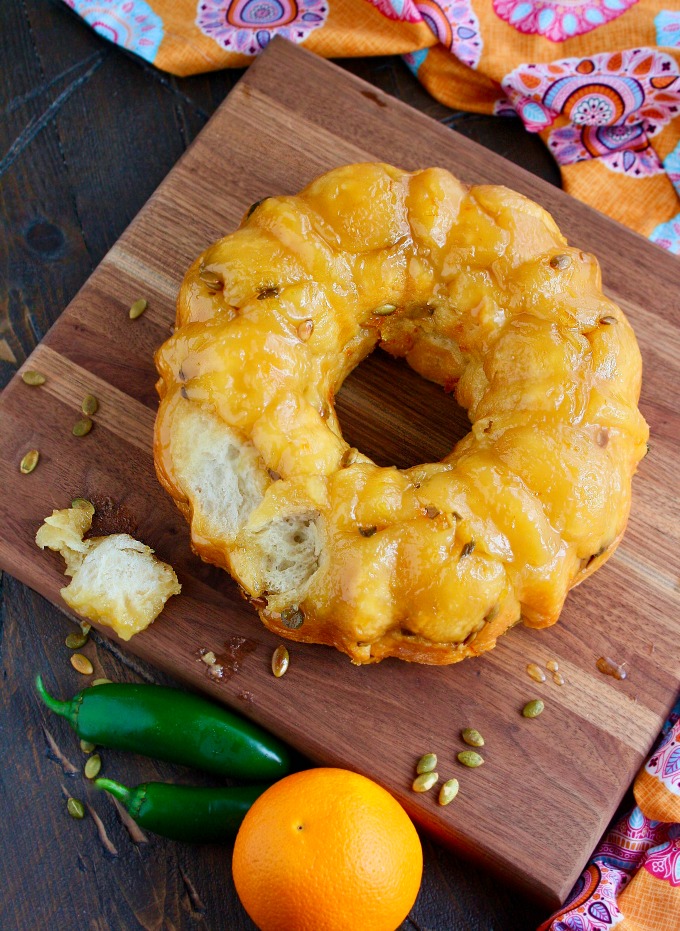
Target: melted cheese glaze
x=540 y=485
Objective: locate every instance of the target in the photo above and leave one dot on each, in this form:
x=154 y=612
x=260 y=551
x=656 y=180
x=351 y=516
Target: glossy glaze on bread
x=477 y=289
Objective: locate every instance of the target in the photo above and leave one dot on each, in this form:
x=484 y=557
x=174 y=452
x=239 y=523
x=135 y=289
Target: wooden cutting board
x=538 y=806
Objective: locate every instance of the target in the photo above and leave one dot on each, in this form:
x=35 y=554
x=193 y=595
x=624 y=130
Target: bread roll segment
x=478 y=290
x=116 y=581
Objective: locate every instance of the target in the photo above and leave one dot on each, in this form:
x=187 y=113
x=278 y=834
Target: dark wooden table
x=88 y=133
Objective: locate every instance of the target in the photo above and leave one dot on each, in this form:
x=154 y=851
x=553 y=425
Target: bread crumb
x=116 y=580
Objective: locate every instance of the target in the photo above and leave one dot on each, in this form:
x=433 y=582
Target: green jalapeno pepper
x=185 y=813
x=168 y=724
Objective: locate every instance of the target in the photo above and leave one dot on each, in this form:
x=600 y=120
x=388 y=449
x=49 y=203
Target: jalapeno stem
x=119 y=791
x=63 y=708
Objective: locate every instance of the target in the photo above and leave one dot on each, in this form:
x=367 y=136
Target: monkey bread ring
x=478 y=290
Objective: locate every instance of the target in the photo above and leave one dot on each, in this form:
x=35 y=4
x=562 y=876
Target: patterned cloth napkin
x=600 y=81
x=632 y=881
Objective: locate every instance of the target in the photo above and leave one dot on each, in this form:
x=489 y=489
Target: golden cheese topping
x=478 y=290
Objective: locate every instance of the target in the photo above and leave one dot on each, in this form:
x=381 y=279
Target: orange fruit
x=327 y=850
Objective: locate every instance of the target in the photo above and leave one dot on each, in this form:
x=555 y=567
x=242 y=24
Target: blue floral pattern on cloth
x=248 y=26
x=667 y=25
x=671 y=165
x=132 y=24
x=667 y=235
x=415 y=59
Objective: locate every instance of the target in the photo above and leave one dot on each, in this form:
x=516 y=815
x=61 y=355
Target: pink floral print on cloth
x=614 y=104
x=664 y=763
x=456 y=26
x=635 y=842
x=592 y=903
x=248 y=26
x=454 y=23
x=559 y=20
x=664 y=862
x=609 y=103
x=404 y=10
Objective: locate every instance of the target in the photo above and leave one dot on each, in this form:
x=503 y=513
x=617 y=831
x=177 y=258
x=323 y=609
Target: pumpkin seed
x=535 y=672
x=471 y=637
x=492 y=614
x=280 y=661
x=82 y=427
x=90 y=405
x=212 y=281
x=448 y=791
x=468 y=548
x=305 y=330
x=472 y=737
x=608 y=321
x=470 y=758
x=86 y=746
x=100 y=682
x=427 y=763
x=253 y=207
x=138 y=308
x=552 y=665
x=424 y=782
x=385 y=310
x=33 y=378
x=349 y=457
x=29 y=462
x=533 y=708
x=558 y=678
x=82 y=664
x=560 y=262
x=92 y=766
x=86 y=506
x=367 y=531
x=75 y=808
x=293 y=618
x=76 y=641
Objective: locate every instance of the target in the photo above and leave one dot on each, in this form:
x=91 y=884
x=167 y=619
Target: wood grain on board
x=536 y=809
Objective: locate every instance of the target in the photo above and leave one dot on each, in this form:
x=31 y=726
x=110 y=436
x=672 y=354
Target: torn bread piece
x=116 y=580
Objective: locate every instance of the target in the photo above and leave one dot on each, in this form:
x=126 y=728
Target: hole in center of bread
x=397 y=417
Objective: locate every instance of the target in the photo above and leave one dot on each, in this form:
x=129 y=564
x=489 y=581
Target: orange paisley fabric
x=599 y=80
